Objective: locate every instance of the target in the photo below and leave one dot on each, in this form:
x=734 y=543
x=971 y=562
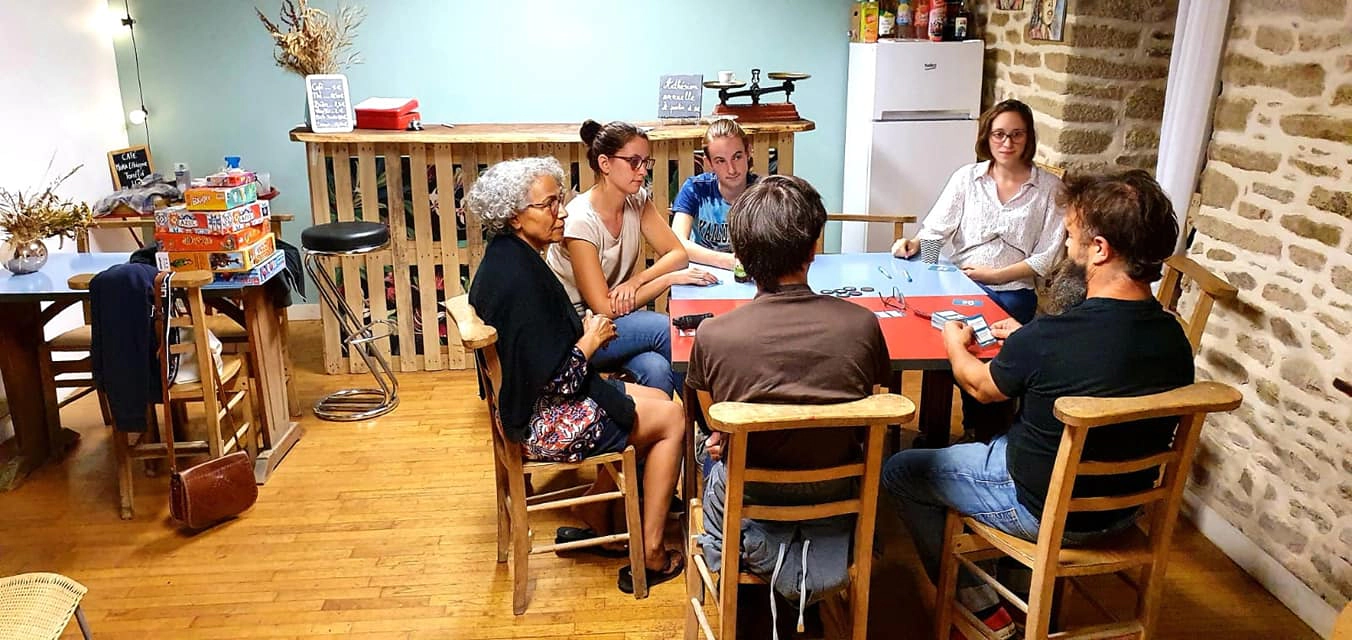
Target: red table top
x=911 y=342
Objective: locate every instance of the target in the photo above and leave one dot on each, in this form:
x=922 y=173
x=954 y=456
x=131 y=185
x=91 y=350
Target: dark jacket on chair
x=122 y=341
x=515 y=293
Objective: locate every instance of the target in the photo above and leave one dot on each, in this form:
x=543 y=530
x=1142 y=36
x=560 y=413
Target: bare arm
x=671 y=256
x=973 y=375
x=681 y=223
x=587 y=274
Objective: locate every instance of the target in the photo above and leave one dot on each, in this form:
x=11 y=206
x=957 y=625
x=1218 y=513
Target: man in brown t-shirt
x=789 y=345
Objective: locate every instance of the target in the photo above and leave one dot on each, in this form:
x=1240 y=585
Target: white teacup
x=725 y=76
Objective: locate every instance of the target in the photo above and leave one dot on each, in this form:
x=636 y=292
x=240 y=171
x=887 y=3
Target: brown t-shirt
x=792 y=347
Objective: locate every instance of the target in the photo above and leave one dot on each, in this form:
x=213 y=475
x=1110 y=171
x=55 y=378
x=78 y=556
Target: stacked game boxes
x=222 y=227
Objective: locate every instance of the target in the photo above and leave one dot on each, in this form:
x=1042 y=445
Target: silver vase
x=23 y=257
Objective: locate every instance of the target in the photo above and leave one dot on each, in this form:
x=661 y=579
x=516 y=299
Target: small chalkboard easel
x=130 y=165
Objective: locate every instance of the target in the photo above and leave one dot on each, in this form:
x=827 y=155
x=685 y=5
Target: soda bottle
x=904 y=28
x=937 y=15
x=922 y=19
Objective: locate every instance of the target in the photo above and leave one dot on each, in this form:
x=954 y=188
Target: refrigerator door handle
x=927 y=115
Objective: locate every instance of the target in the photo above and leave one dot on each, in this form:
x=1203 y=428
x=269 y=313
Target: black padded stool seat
x=345 y=237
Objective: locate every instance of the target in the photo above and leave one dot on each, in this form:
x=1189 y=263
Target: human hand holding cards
x=981 y=331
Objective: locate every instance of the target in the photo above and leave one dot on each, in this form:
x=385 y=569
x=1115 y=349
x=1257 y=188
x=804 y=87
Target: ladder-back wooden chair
x=739 y=420
x=1120 y=554
x=221 y=395
x=898 y=224
x=1213 y=289
x=510 y=469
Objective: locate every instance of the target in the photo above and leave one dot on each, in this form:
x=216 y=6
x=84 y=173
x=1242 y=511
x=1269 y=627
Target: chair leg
x=80 y=620
x=104 y=408
x=635 y=522
x=504 y=518
x=1041 y=595
x=122 y=458
x=1151 y=588
x=520 y=542
x=947 y=588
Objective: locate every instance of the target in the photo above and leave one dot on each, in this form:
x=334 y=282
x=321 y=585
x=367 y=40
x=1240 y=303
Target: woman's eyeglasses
x=551 y=204
x=897 y=302
x=637 y=161
x=1000 y=136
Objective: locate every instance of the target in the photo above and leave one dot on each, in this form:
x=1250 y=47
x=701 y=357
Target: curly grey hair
x=503 y=190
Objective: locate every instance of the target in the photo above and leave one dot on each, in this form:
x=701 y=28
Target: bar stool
x=345 y=239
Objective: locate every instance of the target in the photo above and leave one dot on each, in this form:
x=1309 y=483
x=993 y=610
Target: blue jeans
x=1020 y=304
x=642 y=346
x=973 y=480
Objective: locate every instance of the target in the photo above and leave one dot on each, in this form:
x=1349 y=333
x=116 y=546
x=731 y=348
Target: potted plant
x=309 y=41
x=29 y=217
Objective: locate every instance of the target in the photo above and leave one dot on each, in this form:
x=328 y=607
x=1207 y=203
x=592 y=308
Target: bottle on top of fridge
x=904 y=28
x=962 y=24
x=937 y=15
x=921 y=21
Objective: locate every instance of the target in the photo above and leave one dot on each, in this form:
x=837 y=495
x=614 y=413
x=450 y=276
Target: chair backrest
x=898 y=223
x=1176 y=269
x=739 y=420
x=481 y=339
x=1059 y=172
x=1080 y=415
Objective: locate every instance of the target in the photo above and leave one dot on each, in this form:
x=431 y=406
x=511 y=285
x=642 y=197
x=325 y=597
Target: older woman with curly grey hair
x=551 y=400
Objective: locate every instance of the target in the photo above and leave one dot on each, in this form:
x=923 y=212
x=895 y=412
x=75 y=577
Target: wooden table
x=418 y=256
x=912 y=343
x=25 y=362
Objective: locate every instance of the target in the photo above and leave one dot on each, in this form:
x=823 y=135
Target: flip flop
x=675 y=565
x=578 y=534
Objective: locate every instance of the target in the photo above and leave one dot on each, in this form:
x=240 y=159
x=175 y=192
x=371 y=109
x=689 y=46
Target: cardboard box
x=217 y=242
x=179 y=219
x=235 y=261
x=257 y=275
x=220 y=198
x=864 y=22
x=230 y=178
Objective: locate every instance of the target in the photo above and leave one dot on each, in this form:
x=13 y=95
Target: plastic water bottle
x=182 y=177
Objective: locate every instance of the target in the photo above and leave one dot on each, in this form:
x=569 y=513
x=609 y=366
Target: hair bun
x=589 y=130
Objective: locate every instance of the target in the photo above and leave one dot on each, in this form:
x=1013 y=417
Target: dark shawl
x=515 y=292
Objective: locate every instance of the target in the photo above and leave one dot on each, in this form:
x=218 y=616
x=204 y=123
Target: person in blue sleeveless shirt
x=700 y=212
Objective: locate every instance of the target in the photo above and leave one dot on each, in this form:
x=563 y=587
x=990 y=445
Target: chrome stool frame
x=351 y=405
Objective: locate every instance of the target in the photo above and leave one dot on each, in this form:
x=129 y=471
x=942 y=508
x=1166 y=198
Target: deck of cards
x=984 y=337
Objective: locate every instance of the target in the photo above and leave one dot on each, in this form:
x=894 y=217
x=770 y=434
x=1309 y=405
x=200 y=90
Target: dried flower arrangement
x=29 y=216
x=313 y=41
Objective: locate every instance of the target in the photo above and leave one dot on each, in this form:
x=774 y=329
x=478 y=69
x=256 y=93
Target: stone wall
x=1098 y=95
x=1276 y=221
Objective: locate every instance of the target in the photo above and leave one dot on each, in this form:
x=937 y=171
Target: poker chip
x=866 y=289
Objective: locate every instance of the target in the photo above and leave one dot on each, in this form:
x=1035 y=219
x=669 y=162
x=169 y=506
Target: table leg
x=25 y=367
x=267 y=360
x=936 y=408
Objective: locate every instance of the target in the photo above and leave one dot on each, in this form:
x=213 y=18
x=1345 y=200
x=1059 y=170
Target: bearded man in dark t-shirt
x=1118 y=342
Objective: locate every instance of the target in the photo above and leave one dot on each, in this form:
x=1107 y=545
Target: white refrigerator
x=910 y=121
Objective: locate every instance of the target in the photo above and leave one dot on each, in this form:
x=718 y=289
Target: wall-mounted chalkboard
x=680 y=96
x=329 y=102
x=129 y=165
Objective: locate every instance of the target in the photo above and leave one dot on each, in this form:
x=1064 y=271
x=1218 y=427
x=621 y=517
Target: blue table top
x=881 y=271
x=50 y=282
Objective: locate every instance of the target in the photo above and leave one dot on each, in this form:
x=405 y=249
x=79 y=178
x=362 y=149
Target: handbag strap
x=164 y=302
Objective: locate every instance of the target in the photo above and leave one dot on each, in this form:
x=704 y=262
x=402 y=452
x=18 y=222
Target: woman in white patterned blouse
x=999 y=215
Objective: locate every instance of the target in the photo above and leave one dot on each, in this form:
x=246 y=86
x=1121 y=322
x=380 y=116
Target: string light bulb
x=137 y=116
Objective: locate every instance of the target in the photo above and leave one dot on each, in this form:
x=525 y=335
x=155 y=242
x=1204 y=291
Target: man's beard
x=1069 y=286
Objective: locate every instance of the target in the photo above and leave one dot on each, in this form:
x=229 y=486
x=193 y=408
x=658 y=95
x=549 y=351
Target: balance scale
x=756 y=111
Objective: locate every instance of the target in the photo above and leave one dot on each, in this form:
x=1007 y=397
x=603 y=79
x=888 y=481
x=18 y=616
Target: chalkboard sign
x=680 y=96
x=129 y=165
x=329 y=103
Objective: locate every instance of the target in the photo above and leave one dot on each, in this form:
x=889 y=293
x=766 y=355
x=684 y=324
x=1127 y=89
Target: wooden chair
x=739 y=421
x=220 y=394
x=898 y=223
x=1213 y=289
x=1059 y=172
x=39 y=606
x=1120 y=554
x=511 y=469
x=1342 y=628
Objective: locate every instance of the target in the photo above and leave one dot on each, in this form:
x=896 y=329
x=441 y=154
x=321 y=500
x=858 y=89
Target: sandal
x=675 y=565
x=578 y=534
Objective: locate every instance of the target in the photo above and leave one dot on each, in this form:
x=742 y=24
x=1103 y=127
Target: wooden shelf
x=530 y=133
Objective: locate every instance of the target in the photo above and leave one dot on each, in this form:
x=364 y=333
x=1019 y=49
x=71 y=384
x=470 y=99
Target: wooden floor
x=385 y=530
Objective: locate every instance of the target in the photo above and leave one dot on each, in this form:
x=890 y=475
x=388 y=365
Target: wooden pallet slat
x=426 y=252
x=317 y=166
x=403 y=293
x=376 y=260
x=760 y=153
x=784 y=149
x=662 y=196
x=449 y=253
x=474 y=231
x=351 y=279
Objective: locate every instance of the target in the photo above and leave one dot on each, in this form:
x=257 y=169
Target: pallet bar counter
x=398 y=177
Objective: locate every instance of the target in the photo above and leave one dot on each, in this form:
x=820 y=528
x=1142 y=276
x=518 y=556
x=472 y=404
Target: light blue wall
x=212 y=89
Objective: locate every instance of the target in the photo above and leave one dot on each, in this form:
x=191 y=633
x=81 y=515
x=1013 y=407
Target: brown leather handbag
x=212 y=491
x=206 y=493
